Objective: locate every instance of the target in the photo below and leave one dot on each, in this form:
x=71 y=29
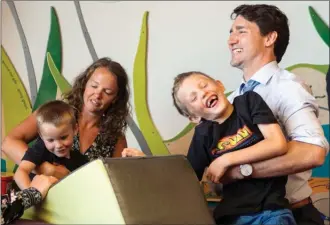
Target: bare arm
x=15 y=143
x=21 y=176
x=306 y=151
x=120 y=145
x=307 y=148
x=309 y=155
x=274 y=144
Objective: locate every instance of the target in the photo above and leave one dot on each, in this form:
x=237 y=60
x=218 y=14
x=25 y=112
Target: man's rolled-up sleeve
x=298 y=112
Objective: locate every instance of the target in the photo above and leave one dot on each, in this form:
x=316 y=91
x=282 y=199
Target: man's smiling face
x=245 y=42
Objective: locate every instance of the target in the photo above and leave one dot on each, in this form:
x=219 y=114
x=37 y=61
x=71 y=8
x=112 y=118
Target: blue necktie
x=249 y=86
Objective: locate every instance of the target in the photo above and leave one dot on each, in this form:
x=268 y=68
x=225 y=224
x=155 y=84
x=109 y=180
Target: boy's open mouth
x=212 y=101
x=61 y=151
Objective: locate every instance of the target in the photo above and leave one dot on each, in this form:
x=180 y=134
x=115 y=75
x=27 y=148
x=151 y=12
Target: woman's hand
x=132 y=152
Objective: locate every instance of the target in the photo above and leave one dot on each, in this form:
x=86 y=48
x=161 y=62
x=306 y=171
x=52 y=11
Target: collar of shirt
x=264 y=74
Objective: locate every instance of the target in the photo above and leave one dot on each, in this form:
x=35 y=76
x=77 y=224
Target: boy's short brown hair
x=56 y=112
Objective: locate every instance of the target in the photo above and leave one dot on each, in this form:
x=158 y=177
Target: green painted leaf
x=147 y=127
x=47 y=89
x=16 y=105
x=321 y=68
x=320 y=26
x=185 y=130
x=61 y=82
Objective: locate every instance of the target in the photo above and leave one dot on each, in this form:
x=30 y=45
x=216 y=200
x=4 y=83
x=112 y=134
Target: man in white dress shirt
x=258 y=39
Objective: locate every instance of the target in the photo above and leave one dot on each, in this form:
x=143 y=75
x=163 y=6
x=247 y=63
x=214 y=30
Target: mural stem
x=27 y=55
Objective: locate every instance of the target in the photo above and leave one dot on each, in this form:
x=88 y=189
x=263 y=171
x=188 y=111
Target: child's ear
x=40 y=136
x=75 y=129
x=195 y=119
x=220 y=84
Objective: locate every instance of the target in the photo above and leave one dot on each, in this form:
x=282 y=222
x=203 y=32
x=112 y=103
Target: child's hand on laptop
x=217 y=169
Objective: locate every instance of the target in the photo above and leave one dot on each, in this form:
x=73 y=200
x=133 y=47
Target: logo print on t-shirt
x=230 y=142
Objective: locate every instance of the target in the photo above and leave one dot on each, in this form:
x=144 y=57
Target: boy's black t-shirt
x=239 y=131
x=38 y=154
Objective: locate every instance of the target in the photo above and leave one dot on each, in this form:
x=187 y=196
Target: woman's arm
x=120 y=145
x=16 y=142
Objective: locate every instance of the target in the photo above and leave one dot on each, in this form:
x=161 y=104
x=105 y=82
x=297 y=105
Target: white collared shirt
x=296 y=110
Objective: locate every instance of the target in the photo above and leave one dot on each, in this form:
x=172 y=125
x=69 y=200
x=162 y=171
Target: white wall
x=182 y=36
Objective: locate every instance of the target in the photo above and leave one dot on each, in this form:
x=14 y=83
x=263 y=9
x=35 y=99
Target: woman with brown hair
x=100 y=96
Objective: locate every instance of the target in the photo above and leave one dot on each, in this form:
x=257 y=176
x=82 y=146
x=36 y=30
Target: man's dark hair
x=268 y=18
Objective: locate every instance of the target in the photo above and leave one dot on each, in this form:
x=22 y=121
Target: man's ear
x=270 y=39
x=195 y=119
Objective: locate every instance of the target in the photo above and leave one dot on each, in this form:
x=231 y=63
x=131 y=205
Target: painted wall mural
x=17 y=105
x=27 y=55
